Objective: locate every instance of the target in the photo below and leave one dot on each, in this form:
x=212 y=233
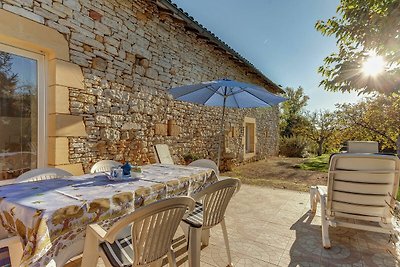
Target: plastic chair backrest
x=362 y=147
x=216 y=198
x=104 y=166
x=42 y=174
x=163 y=154
x=205 y=163
x=362 y=186
x=153 y=228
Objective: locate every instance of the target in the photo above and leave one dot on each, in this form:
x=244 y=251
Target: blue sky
x=278 y=37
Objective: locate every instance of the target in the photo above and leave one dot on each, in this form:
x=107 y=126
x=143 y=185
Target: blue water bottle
x=126 y=168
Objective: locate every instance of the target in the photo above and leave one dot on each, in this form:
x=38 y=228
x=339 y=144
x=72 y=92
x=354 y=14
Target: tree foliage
x=376 y=119
x=8 y=80
x=362 y=26
x=292 y=112
x=322 y=126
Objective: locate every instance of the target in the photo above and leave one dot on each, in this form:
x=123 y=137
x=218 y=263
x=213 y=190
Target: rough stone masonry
x=130 y=52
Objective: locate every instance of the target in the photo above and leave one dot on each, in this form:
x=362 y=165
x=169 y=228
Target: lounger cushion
x=119 y=253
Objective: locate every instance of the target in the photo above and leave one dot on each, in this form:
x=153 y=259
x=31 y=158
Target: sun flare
x=373 y=65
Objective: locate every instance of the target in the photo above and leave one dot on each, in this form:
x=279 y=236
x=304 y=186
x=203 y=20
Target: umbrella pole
x=222 y=132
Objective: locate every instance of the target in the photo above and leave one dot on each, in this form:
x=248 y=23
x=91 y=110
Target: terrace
x=273 y=227
x=98 y=82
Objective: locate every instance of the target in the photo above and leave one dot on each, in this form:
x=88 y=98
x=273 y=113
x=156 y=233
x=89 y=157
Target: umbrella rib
x=215 y=92
x=206 y=87
x=237 y=103
x=258 y=98
x=209 y=87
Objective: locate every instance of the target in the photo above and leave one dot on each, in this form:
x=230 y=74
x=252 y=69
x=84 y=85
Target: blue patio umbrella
x=226 y=93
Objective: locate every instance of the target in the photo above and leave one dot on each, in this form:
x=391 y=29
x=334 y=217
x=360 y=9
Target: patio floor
x=272 y=227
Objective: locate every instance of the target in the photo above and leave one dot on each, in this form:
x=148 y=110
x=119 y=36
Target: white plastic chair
x=163 y=155
x=205 y=163
x=362 y=147
x=362 y=188
x=42 y=174
x=104 y=166
x=152 y=231
x=209 y=211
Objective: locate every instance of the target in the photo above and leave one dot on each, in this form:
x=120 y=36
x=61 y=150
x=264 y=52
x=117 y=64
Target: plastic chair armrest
x=98 y=231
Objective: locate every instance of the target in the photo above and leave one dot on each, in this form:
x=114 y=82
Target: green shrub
x=294 y=146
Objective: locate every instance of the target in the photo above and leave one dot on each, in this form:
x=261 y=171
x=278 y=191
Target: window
x=22 y=115
x=249 y=137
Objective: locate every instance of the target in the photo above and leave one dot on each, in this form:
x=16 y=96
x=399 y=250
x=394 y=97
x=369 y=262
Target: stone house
x=85 y=80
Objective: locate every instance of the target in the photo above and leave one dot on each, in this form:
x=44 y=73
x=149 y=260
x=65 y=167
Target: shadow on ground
x=349 y=247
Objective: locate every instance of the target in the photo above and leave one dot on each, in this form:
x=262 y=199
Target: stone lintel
x=23 y=32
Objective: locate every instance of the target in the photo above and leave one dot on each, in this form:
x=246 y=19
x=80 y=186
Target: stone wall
x=130 y=52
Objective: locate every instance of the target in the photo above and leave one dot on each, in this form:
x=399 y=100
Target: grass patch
x=319 y=163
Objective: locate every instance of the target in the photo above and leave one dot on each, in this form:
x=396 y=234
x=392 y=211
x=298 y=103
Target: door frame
x=40 y=58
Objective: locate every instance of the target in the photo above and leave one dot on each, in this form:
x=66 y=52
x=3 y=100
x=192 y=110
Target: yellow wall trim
x=252 y=154
x=58 y=150
x=25 y=33
x=63 y=125
x=58 y=99
x=65 y=74
x=75 y=169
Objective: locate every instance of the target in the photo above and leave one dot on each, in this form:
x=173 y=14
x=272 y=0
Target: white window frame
x=41 y=156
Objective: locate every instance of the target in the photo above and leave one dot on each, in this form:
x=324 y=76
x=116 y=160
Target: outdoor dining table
x=51 y=216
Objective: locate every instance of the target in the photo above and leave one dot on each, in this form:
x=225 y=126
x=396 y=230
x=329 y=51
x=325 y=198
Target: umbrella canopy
x=226 y=93
x=235 y=94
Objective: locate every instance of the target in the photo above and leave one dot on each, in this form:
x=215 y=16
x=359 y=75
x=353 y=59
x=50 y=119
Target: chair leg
x=205 y=237
x=325 y=225
x=194 y=246
x=171 y=258
x=15 y=250
x=91 y=251
x=228 y=251
x=313 y=198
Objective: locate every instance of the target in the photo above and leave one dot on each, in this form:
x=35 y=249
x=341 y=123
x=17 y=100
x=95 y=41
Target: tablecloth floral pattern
x=51 y=215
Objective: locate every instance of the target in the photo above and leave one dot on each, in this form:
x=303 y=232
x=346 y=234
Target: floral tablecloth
x=51 y=216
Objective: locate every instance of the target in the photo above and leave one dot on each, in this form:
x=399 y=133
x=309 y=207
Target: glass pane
x=18 y=114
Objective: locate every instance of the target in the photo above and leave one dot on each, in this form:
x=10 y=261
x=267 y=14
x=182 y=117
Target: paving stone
x=303 y=247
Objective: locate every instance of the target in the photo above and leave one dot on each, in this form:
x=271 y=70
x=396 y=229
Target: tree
x=364 y=27
x=322 y=126
x=377 y=118
x=292 y=111
x=8 y=80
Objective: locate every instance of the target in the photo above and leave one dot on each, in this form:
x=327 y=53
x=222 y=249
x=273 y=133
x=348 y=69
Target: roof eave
x=180 y=14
